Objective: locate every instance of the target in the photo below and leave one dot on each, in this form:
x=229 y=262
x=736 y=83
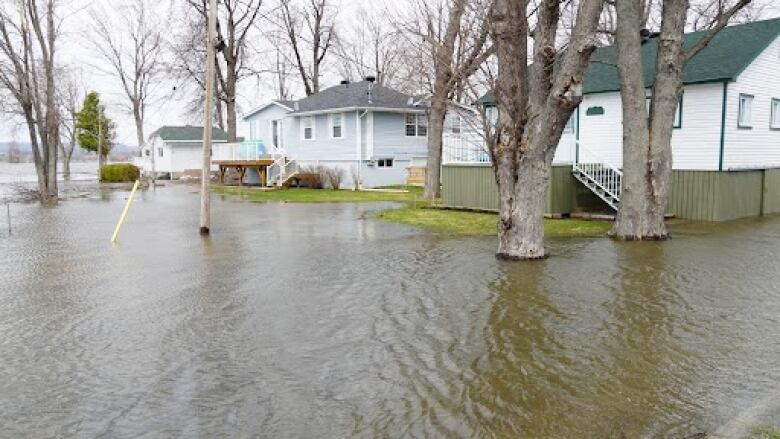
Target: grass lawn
x=413 y=194
x=484 y=224
x=765 y=433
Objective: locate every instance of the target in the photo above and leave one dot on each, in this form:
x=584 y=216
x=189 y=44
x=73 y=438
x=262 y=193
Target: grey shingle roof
x=727 y=55
x=187 y=133
x=354 y=95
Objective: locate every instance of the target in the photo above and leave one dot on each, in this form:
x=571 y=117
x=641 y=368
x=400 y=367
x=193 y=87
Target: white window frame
x=774 y=114
x=382 y=163
x=456 y=125
x=332 y=118
x=160 y=151
x=313 y=127
x=745 y=113
x=420 y=120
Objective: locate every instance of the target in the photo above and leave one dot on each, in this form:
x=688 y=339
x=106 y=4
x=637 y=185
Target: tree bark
x=533 y=111
x=436 y=117
x=647 y=138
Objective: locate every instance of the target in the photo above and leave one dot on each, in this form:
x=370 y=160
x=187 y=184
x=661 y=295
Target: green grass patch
x=302 y=195
x=484 y=224
x=119 y=173
x=765 y=433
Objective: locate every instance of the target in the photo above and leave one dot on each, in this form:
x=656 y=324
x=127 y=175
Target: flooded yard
x=314 y=320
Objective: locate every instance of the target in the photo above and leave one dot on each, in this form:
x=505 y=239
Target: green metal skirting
x=474 y=187
x=696 y=195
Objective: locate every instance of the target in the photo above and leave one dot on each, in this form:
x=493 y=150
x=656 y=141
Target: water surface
x=301 y=320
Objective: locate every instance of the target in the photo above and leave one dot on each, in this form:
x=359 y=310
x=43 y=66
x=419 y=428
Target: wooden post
x=205 y=177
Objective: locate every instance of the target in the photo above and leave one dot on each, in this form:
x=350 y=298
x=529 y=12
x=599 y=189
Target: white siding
x=758 y=146
x=260 y=123
x=695 y=146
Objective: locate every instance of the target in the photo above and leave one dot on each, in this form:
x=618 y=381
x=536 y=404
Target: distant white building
x=176 y=149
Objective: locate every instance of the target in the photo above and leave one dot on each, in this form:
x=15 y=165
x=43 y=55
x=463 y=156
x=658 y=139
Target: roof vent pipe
x=371 y=79
x=345 y=82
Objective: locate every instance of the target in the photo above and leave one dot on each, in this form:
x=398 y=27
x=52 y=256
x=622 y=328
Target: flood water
x=315 y=321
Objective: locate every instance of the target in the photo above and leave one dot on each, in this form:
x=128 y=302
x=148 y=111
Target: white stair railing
x=280 y=171
x=598 y=175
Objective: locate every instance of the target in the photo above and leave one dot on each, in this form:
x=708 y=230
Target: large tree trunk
x=647 y=139
x=523 y=197
x=436 y=116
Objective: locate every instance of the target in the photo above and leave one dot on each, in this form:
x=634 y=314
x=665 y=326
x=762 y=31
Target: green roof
x=188 y=133
x=727 y=55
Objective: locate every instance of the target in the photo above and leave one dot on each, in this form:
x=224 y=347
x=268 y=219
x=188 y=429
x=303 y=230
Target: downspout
x=723 y=125
x=359 y=137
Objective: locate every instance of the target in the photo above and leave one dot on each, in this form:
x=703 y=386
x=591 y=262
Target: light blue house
x=375 y=134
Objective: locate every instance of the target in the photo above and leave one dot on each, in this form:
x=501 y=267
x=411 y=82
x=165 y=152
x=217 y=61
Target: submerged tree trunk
x=436 y=116
x=533 y=110
x=523 y=196
x=646 y=161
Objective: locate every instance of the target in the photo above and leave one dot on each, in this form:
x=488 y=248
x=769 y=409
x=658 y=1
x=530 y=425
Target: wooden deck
x=241 y=166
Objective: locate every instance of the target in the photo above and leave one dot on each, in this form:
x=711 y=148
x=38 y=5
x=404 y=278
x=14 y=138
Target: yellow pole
x=124 y=213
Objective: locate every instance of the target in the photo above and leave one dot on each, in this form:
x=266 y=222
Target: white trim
x=263 y=107
x=194 y=141
x=348 y=109
x=774 y=113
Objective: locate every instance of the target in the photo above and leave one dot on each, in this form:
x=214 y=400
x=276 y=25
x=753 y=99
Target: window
x=677 y=113
x=147 y=152
x=775 y=114
x=456 y=125
x=384 y=163
x=160 y=152
x=307 y=126
x=491 y=114
x=416 y=125
x=595 y=111
x=745 y=119
x=569 y=128
x=275 y=133
x=337 y=126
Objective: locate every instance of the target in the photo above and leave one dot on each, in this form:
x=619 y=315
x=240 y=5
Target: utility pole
x=205 y=177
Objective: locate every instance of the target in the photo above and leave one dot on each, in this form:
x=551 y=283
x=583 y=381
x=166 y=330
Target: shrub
x=119 y=173
x=311 y=177
x=335 y=176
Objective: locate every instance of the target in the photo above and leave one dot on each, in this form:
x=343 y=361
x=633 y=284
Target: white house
x=374 y=133
x=728 y=120
x=176 y=149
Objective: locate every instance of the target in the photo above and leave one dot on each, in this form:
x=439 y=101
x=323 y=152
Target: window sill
x=745 y=127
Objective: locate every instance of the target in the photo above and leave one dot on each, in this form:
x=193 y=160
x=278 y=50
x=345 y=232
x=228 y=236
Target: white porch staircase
x=603 y=179
x=281 y=172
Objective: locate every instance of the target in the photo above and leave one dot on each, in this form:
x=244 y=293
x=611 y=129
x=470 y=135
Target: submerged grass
x=301 y=195
x=484 y=224
x=416 y=211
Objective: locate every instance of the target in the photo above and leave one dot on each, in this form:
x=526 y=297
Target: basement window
x=384 y=163
x=745 y=119
x=775 y=118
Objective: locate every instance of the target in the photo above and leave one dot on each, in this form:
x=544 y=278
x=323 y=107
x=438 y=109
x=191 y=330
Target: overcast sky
x=76 y=50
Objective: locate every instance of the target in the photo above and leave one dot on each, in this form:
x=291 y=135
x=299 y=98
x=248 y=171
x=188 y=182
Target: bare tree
x=28 y=36
x=533 y=108
x=647 y=150
x=235 y=24
x=69 y=94
x=454 y=36
x=132 y=46
x=309 y=28
x=371 y=47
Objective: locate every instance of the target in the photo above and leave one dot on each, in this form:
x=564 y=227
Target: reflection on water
x=315 y=321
